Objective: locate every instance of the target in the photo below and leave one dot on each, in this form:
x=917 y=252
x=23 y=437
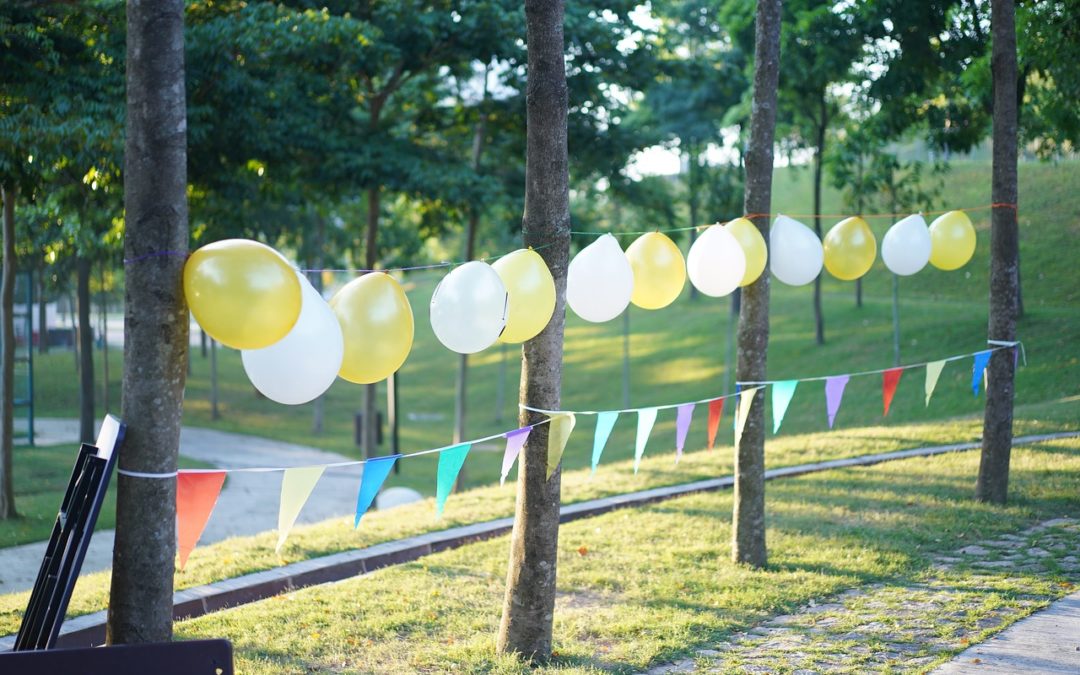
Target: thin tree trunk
x=43 y=315
x=202 y=342
x=819 y=316
x=896 y=319
x=104 y=343
x=529 y=604
x=86 y=352
x=155 y=322
x=318 y=407
x=500 y=386
x=748 y=529
x=368 y=434
x=626 y=358
x=215 y=411
x=993 y=481
x=7 y=360
x=693 y=176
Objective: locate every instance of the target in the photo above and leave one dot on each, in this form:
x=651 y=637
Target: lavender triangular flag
x=834 y=392
x=605 y=422
x=981 y=359
x=514 y=441
x=646 y=417
x=682 y=427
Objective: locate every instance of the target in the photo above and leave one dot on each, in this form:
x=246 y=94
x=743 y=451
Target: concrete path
x=248 y=503
x=1045 y=642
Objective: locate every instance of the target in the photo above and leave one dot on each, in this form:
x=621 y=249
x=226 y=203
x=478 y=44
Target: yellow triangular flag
x=296 y=487
x=559 y=433
x=742 y=411
x=933 y=372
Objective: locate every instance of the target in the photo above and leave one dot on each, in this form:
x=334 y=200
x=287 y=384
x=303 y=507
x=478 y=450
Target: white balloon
x=795 y=252
x=716 y=263
x=906 y=246
x=599 y=281
x=302 y=365
x=468 y=308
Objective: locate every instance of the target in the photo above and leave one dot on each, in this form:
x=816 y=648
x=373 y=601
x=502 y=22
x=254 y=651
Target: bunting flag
x=514 y=442
x=742 y=411
x=978 y=368
x=196 y=495
x=682 y=427
x=605 y=422
x=296 y=486
x=933 y=372
x=450 y=462
x=716 y=409
x=834 y=392
x=889 y=380
x=561 y=427
x=646 y=417
x=782 y=393
x=376 y=470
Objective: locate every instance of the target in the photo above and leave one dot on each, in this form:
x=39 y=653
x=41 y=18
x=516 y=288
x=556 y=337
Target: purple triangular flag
x=682 y=427
x=834 y=391
x=514 y=441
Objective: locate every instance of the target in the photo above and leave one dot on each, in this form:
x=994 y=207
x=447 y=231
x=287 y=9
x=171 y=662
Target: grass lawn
x=243 y=555
x=648 y=585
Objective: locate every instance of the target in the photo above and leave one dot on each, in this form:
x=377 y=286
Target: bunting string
x=666 y=406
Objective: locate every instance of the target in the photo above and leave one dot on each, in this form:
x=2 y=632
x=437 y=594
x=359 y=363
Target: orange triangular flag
x=196 y=494
x=889 y=379
x=716 y=408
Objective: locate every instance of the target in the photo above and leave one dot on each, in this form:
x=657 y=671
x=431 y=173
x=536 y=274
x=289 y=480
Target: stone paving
x=889 y=628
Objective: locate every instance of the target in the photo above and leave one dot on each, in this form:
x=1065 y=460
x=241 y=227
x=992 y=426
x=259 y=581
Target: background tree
x=993 y=481
x=155 y=322
x=529 y=605
x=748 y=526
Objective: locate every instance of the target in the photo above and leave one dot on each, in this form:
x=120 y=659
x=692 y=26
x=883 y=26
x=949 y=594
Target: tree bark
x=369 y=421
x=529 y=604
x=748 y=528
x=318 y=406
x=693 y=176
x=86 y=352
x=7 y=360
x=819 y=156
x=993 y=481
x=104 y=308
x=215 y=411
x=43 y=315
x=155 y=322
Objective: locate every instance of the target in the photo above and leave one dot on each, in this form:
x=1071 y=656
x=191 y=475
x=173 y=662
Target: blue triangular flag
x=605 y=421
x=376 y=470
x=981 y=359
x=782 y=392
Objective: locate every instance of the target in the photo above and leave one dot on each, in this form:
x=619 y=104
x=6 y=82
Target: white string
x=666 y=406
x=1011 y=343
x=141 y=474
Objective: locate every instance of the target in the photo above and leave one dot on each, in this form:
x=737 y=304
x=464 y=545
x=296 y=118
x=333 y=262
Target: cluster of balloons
x=294 y=344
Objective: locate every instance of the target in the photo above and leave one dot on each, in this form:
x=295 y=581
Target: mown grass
x=243 y=555
x=648 y=585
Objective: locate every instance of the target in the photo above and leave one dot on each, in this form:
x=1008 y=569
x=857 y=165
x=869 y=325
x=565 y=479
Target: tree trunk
x=993 y=482
x=215 y=411
x=748 y=529
x=7 y=360
x=43 y=315
x=155 y=322
x=86 y=352
x=368 y=434
x=104 y=343
x=500 y=386
x=318 y=406
x=626 y=358
x=819 y=316
x=529 y=604
x=693 y=176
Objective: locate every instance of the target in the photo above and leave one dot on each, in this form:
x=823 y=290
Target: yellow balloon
x=377 y=324
x=531 y=289
x=244 y=294
x=850 y=249
x=753 y=245
x=659 y=270
x=952 y=241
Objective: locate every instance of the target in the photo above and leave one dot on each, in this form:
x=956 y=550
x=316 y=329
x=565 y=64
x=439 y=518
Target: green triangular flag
x=450 y=463
x=558 y=434
x=296 y=486
x=782 y=392
x=933 y=372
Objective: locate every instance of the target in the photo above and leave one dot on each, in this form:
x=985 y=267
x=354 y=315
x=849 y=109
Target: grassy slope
x=652 y=584
x=678 y=353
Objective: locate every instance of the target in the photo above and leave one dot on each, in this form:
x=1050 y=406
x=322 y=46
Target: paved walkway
x=248 y=503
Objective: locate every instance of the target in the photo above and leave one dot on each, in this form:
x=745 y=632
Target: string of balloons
x=294 y=343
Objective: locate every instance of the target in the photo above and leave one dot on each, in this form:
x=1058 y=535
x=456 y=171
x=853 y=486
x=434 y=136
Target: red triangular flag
x=196 y=494
x=716 y=408
x=889 y=379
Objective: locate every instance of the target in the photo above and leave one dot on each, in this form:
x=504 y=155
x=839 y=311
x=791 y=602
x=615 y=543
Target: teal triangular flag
x=605 y=421
x=450 y=463
x=782 y=392
x=375 y=470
